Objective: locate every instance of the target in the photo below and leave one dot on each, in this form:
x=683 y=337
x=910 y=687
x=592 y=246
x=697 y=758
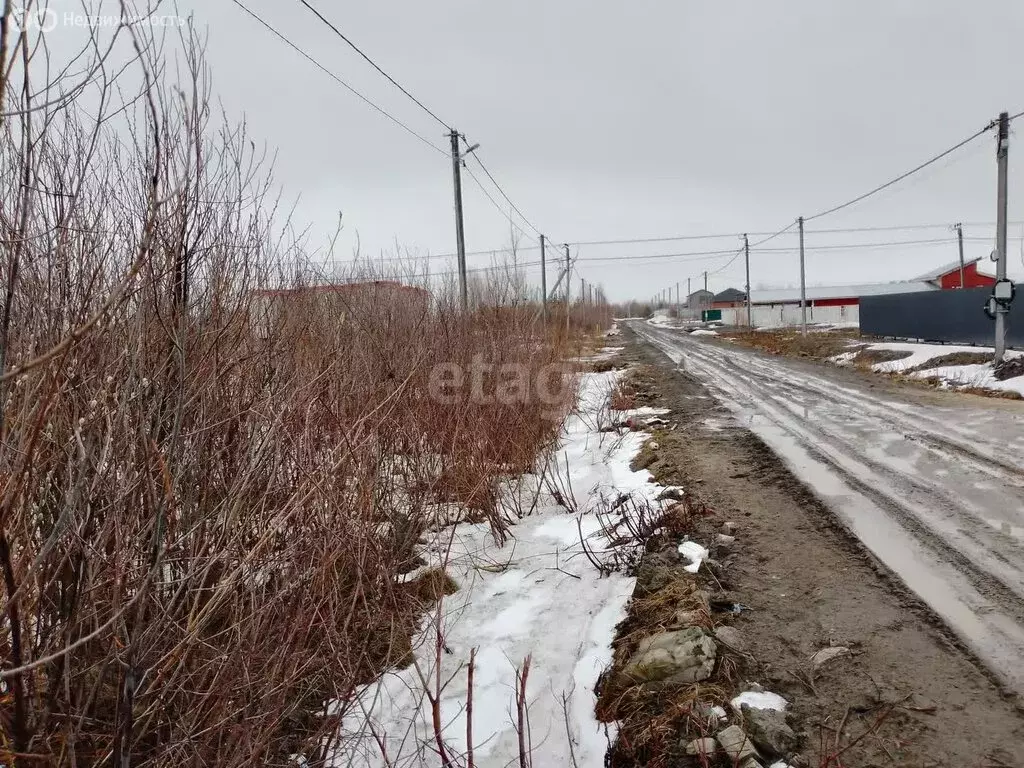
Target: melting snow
x=759 y=700
x=548 y=602
x=693 y=552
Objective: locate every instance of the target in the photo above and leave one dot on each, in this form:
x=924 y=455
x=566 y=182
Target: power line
x=338 y=80
x=373 y=64
x=903 y=176
x=502 y=191
x=494 y=202
x=697 y=256
x=771 y=237
x=729 y=235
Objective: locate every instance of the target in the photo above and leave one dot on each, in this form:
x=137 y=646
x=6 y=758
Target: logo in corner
x=34 y=18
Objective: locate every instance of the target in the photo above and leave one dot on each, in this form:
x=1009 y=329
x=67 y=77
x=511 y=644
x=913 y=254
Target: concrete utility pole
x=543 y=283
x=960 y=240
x=705 y=280
x=746 y=251
x=568 y=286
x=460 y=234
x=803 y=282
x=1003 y=158
x=678 y=305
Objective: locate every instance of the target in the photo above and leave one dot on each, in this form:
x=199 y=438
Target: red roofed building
x=948 y=277
x=840 y=304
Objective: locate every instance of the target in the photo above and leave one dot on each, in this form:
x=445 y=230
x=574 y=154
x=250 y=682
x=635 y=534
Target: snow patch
x=759 y=700
x=695 y=553
x=545 y=601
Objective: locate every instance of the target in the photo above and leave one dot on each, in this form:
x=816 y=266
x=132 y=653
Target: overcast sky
x=610 y=120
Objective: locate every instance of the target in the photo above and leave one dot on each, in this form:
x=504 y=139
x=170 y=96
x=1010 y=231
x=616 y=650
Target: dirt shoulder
x=907 y=694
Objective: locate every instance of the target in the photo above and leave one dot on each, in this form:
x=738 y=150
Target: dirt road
x=933 y=486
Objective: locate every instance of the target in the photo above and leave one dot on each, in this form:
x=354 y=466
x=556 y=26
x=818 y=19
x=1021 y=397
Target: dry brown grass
x=955 y=358
x=207 y=489
x=655 y=718
x=789 y=341
x=869 y=357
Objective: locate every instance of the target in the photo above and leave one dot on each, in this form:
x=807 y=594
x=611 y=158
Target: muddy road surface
x=933 y=485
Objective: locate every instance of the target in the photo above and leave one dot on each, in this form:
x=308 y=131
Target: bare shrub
x=215 y=461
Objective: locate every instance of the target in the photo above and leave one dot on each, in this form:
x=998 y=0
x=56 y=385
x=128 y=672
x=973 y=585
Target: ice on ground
x=759 y=700
x=644 y=410
x=703 y=332
x=546 y=602
x=695 y=553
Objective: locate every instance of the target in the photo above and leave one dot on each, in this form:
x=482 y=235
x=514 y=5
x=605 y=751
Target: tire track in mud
x=967 y=576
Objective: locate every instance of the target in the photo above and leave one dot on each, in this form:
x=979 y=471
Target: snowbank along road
x=936 y=492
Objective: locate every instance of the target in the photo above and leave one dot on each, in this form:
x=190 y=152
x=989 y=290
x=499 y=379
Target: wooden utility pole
x=568 y=286
x=803 y=282
x=1003 y=158
x=460 y=234
x=960 y=241
x=543 y=283
x=746 y=252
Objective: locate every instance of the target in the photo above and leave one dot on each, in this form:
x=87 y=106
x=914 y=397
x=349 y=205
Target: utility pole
x=568 y=286
x=543 y=283
x=678 y=305
x=746 y=252
x=960 y=240
x=460 y=234
x=705 y=280
x=1003 y=158
x=803 y=282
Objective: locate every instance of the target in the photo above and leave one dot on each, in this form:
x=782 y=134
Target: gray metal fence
x=955 y=316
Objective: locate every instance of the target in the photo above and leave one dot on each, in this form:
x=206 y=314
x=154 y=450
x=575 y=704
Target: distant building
x=840 y=304
x=948 y=276
x=729 y=298
x=700 y=300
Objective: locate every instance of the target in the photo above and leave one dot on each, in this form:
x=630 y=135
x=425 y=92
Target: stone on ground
x=705 y=746
x=725 y=541
x=684 y=656
x=825 y=655
x=736 y=745
x=731 y=638
x=769 y=731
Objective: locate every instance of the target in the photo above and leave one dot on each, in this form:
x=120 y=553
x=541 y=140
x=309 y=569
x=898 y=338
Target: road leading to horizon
x=935 y=491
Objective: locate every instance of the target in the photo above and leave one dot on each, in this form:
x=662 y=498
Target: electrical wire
x=373 y=64
x=771 y=237
x=338 y=80
x=725 y=235
x=502 y=191
x=500 y=210
x=905 y=175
